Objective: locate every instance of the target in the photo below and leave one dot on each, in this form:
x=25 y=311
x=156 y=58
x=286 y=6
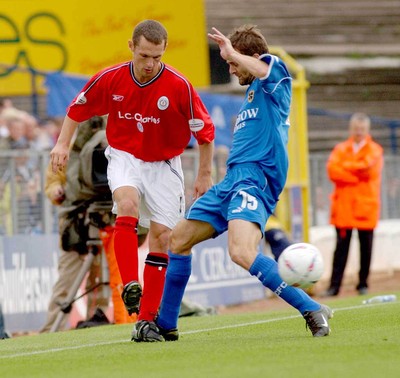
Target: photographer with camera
x=71 y=190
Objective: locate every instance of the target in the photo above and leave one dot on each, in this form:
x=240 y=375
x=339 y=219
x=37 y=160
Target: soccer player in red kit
x=152 y=112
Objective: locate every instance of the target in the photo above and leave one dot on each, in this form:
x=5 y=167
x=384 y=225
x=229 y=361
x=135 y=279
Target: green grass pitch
x=365 y=342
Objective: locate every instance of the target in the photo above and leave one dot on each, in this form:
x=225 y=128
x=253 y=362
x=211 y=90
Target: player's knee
x=163 y=239
x=179 y=241
x=236 y=257
x=127 y=207
x=240 y=257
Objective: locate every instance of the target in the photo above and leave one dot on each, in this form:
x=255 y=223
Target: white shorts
x=160 y=185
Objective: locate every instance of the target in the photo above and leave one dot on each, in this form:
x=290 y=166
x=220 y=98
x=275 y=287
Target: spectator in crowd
x=354 y=166
x=20 y=181
x=3 y=128
x=52 y=126
x=16 y=130
x=5 y=104
x=23 y=133
x=38 y=137
x=10 y=118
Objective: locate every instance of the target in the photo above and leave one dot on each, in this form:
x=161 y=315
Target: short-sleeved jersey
x=151 y=120
x=261 y=129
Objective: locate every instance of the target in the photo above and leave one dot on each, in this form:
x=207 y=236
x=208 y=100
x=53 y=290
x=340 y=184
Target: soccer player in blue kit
x=242 y=202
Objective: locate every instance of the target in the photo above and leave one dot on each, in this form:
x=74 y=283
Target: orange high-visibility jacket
x=355 y=201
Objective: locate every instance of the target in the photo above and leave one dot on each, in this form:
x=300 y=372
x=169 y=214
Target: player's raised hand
x=223 y=42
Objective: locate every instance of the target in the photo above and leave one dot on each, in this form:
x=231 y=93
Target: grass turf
x=365 y=342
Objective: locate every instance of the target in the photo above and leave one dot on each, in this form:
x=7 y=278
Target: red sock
x=153 y=285
x=126 y=248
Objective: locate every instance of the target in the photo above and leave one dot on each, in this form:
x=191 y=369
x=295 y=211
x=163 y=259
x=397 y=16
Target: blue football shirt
x=260 y=133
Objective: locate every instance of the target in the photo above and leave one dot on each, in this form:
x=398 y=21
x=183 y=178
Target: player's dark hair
x=152 y=30
x=248 y=40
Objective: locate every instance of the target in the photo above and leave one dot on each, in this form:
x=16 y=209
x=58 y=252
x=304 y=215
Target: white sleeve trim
x=270 y=64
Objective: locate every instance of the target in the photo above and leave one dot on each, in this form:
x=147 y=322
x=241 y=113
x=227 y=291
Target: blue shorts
x=243 y=194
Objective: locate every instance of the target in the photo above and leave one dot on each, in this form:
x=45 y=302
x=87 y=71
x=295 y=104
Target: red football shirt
x=150 y=121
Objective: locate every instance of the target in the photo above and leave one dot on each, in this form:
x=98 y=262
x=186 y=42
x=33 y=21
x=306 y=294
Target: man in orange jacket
x=354 y=167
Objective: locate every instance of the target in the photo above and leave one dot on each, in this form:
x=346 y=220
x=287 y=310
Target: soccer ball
x=301 y=265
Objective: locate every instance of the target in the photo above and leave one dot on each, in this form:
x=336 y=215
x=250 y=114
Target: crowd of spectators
x=22 y=137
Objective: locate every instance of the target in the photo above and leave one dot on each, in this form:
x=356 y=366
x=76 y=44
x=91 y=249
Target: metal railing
x=24 y=208
x=321 y=188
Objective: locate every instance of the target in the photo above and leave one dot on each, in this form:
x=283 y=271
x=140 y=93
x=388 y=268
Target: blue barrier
x=28 y=271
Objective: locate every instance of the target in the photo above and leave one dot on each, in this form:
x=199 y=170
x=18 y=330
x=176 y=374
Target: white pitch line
x=239 y=325
x=55 y=350
x=277 y=319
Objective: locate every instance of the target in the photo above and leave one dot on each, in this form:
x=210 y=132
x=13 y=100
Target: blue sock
x=176 y=279
x=266 y=270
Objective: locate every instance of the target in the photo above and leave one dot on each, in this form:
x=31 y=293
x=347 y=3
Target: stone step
x=320 y=25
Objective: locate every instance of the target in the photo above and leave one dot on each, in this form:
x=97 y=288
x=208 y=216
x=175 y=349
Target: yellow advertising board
x=82 y=37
